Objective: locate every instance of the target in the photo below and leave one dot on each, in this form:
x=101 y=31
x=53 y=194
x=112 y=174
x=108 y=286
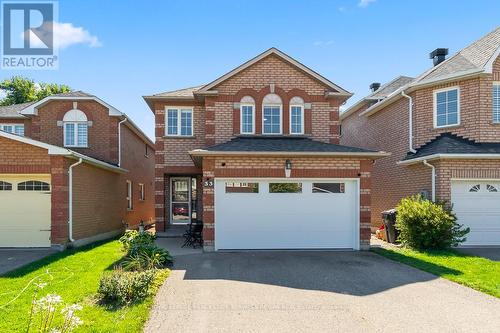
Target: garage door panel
x=285 y=220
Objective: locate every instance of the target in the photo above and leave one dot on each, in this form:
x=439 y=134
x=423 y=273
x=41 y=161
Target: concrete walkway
x=314 y=292
x=11 y=259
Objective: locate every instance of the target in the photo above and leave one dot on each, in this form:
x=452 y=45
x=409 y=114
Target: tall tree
x=19 y=89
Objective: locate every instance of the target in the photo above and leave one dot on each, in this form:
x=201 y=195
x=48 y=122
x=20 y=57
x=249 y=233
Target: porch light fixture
x=288 y=168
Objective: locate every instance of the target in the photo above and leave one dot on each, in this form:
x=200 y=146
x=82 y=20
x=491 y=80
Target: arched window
x=5 y=186
x=75 y=129
x=33 y=185
x=271 y=114
x=247 y=115
x=296 y=115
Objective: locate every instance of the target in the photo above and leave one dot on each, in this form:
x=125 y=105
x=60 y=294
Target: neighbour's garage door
x=25 y=210
x=477 y=205
x=291 y=214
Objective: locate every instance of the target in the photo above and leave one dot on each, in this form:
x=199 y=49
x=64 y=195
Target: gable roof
x=448 y=144
x=473 y=60
x=380 y=94
x=13 y=111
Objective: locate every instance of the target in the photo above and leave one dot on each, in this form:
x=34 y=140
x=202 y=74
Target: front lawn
x=474 y=272
x=74 y=275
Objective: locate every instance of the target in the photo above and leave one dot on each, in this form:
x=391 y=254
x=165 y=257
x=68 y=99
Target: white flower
x=41 y=285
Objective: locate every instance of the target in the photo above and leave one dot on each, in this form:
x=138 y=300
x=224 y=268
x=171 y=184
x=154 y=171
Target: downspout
x=433 y=179
x=410 y=121
x=70 y=199
x=120 y=142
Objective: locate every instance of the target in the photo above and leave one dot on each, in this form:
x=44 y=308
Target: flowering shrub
x=134 y=238
x=49 y=314
x=120 y=288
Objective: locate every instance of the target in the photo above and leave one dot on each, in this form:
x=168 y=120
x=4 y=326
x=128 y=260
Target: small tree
x=423 y=224
x=19 y=90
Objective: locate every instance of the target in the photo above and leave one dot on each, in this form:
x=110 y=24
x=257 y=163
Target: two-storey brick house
x=443 y=130
x=255 y=156
x=73 y=169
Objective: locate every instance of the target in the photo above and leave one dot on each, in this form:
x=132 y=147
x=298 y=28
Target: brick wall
x=274 y=167
x=15 y=155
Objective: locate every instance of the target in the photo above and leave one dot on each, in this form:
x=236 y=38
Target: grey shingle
x=390 y=87
x=12 y=111
x=186 y=92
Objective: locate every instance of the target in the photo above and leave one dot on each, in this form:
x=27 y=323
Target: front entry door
x=180 y=200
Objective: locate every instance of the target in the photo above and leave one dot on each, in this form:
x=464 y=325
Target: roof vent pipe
x=438 y=55
x=374 y=86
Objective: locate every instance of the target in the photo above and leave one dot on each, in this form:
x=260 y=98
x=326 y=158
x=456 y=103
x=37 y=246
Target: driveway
x=11 y=259
x=313 y=292
x=492 y=253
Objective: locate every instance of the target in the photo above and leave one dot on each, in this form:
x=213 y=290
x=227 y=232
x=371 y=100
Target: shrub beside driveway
x=474 y=272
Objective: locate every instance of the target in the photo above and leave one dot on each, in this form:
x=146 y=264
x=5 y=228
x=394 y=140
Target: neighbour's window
x=129 y=195
x=75 y=129
x=33 y=185
x=179 y=122
x=447 y=107
x=271 y=114
x=13 y=128
x=242 y=187
x=328 y=188
x=285 y=187
x=142 y=194
x=496 y=102
x=296 y=115
x=4 y=186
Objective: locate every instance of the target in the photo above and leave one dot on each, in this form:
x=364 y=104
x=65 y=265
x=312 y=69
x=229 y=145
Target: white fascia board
x=450 y=156
x=97 y=163
x=33 y=108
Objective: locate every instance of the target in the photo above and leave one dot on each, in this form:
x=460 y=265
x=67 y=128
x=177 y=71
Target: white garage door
x=25 y=210
x=291 y=214
x=477 y=205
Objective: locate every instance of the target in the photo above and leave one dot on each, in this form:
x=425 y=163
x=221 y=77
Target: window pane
x=328 y=188
x=180 y=211
x=452 y=95
x=441 y=109
x=285 y=188
x=239 y=187
x=441 y=120
x=33 y=185
x=19 y=130
x=296 y=120
x=186 y=122
x=441 y=97
x=247 y=119
x=452 y=118
x=496 y=103
x=69 y=134
x=272 y=120
x=4 y=186
x=82 y=135
x=7 y=128
x=172 y=122
x=447 y=108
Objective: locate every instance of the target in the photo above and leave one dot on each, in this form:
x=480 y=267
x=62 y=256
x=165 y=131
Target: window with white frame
x=446 y=107
x=75 y=127
x=142 y=193
x=296 y=115
x=496 y=102
x=179 y=121
x=129 y=195
x=247 y=115
x=13 y=128
x=271 y=114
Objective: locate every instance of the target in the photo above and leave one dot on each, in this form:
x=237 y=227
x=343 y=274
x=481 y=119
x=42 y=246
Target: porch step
x=175 y=231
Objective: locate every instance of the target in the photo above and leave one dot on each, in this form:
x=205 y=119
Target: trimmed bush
x=423 y=224
x=120 y=288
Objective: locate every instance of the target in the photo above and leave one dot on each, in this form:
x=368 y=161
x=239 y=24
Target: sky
x=122 y=50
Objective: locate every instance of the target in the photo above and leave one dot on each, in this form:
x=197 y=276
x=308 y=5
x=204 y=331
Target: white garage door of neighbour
x=25 y=210
x=477 y=205
x=291 y=214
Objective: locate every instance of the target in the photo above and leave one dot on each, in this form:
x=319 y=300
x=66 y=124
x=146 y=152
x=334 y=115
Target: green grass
x=474 y=272
x=74 y=275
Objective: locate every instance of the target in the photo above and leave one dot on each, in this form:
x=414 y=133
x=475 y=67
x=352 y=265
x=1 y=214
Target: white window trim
x=13 y=125
x=241 y=118
x=301 y=118
x=281 y=118
x=179 y=108
x=435 y=92
x=495 y=83
x=130 y=196
x=76 y=145
x=142 y=193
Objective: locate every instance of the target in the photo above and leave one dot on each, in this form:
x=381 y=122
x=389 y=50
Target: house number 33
x=208 y=183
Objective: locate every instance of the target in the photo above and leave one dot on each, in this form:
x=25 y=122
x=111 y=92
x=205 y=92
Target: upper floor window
x=179 y=121
x=13 y=128
x=75 y=129
x=247 y=115
x=271 y=114
x=296 y=115
x=446 y=107
x=496 y=102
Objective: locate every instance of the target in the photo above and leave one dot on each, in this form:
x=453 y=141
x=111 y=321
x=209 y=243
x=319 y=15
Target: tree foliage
x=19 y=90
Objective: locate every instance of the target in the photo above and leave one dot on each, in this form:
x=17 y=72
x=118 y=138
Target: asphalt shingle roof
x=448 y=143
x=12 y=111
x=186 y=92
x=390 y=87
x=282 y=144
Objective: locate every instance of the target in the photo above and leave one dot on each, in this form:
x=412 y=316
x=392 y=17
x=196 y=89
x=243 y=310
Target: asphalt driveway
x=11 y=259
x=314 y=292
x=492 y=253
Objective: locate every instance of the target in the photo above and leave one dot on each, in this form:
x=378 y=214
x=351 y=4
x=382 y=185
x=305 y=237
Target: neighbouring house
x=73 y=169
x=255 y=155
x=443 y=130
